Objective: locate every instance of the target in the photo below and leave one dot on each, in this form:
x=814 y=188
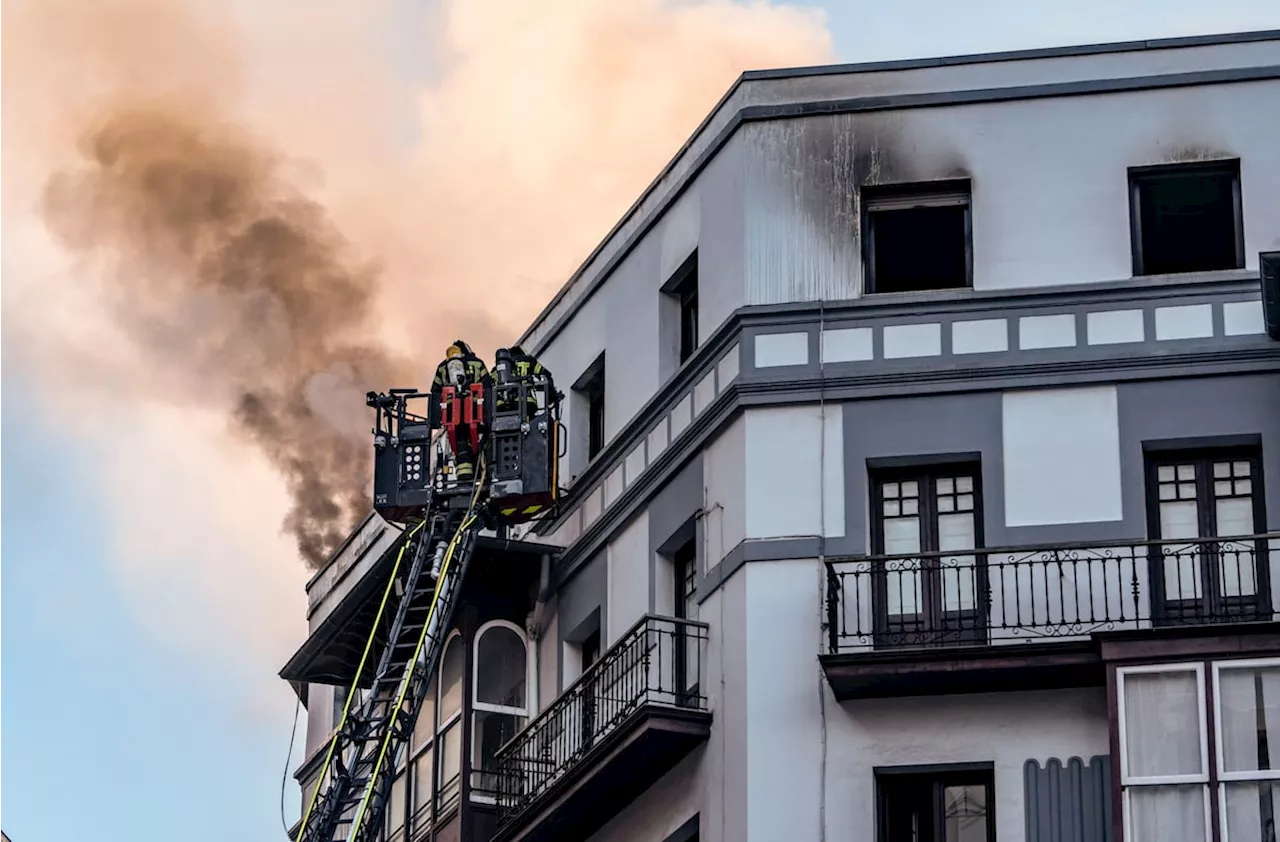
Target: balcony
x=623 y=724
x=1032 y=617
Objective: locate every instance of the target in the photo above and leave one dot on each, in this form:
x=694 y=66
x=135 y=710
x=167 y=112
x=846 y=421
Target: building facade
x=923 y=478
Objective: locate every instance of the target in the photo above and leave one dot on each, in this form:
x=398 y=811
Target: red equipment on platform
x=463 y=407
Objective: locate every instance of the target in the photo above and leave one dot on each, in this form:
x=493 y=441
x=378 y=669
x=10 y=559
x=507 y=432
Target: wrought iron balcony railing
x=658 y=662
x=1004 y=595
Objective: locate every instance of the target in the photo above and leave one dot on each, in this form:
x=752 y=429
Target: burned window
x=1186 y=218
x=917 y=237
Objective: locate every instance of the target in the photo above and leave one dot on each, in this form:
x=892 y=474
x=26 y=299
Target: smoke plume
x=232 y=189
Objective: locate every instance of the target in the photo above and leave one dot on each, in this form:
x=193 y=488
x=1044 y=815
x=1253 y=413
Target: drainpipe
x=534 y=626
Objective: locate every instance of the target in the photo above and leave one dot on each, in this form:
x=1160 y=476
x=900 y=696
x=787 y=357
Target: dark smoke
x=243 y=292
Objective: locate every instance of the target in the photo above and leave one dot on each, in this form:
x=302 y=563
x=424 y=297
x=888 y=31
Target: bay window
x=1196 y=756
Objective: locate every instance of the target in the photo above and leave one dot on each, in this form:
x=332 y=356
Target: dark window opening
x=589 y=393
x=941 y=806
x=682 y=287
x=590 y=649
x=930 y=585
x=685 y=562
x=917 y=238
x=1194 y=495
x=1186 y=218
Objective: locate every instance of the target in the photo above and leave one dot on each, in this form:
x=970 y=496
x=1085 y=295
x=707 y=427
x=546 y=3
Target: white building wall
x=724 y=473
x=1061 y=456
x=711 y=781
x=799 y=770
x=795 y=471
x=1049 y=177
x=628 y=578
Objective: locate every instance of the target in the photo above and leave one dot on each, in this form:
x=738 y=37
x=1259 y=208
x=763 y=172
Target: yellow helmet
x=452 y=352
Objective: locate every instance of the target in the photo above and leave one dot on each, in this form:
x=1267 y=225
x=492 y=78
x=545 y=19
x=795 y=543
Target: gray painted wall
x=775 y=215
x=1028 y=73
x=1068 y=802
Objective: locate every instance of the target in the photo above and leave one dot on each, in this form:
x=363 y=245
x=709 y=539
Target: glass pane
x=1250 y=700
x=1251 y=811
x=425 y=726
x=423 y=782
x=1235 y=516
x=395 y=806
x=1237 y=561
x=500 y=668
x=1162 y=724
x=1181 y=562
x=956 y=532
x=1167 y=814
x=965 y=813
x=450 y=754
x=902 y=576
x=492 y=731
x=451 y=679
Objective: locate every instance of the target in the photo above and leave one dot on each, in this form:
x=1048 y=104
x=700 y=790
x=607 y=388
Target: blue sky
x=109 y=733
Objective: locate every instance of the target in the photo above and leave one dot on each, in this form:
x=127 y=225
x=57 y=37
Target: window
x=591 y=649
x=589 y=406
x=395 y=809
x=448 y=744
x=944 y=804
x=1198 y=495
x=422 y=752
x=917 y=237
x=682 y=288
x=501 y=705
x=685 y=599
x=926 y=593
x=1179 y=784
x=339 y=704
x=1186 y=218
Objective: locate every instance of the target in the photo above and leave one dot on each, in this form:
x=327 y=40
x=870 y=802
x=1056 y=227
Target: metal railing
x=1010 y=594
x=658 y=662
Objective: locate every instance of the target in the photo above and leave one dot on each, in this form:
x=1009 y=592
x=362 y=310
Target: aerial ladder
x=515 y=479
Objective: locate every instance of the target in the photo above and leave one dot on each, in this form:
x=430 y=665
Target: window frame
x=933 y=621
x=439 y=785
x=937 y=775
x=1225 y=665
x=478 y=707
x=942 y=193
x=1204 y=779
x=682 y=289
x=589 y=391
x=476 y=704
x=1214 y=780
x=1214 y=603
x=1137 y=175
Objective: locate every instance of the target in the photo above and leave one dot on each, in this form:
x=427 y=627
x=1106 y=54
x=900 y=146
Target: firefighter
x=461 y=369
x=526 y=369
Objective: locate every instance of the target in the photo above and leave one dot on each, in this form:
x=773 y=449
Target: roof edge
x=1032 y=53
x=865 y=67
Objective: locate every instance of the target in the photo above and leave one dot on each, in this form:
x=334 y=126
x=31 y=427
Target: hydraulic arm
x=514 y=426
x=350 y=799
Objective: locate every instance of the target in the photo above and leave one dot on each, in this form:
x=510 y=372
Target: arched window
x=501 y=698
x=449 y=717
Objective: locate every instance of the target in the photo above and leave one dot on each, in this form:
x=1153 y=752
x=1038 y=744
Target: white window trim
x=1208 y=816
x=476 y=704
x=442 y=725
x=1126 y=779
x=1224 y=778
x=1218 y=668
